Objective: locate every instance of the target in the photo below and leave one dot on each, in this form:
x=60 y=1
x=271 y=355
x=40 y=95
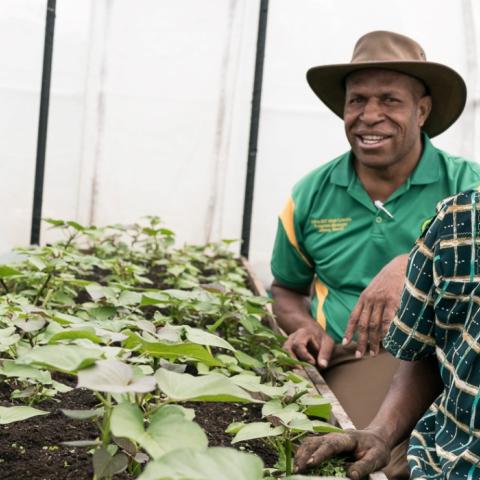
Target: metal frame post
x=43 y=123
x=254 y=127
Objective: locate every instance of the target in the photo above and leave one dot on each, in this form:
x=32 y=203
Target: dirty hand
x=376 y=307
x=370 y=451
x=308 y=341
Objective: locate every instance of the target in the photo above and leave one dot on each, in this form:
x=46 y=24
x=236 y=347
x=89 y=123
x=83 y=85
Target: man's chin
x=373 y=161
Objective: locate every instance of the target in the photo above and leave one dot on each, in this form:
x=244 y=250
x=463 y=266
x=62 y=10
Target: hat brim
x=446 y=87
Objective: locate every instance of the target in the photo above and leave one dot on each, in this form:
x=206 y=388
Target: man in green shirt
x=345 y=232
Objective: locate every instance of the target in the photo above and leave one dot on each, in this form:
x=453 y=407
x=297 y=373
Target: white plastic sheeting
x=150 y=105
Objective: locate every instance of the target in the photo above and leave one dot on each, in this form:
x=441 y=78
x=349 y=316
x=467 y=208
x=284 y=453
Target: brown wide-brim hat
x=392 y=51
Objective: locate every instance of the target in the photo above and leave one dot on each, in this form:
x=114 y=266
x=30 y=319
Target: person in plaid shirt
x=436 y=334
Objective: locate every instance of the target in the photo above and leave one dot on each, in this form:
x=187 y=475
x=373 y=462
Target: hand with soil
x=370 y=451
x=376 y=307
x=310 y=344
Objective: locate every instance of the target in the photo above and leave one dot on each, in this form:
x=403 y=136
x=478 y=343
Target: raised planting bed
x=123 y=357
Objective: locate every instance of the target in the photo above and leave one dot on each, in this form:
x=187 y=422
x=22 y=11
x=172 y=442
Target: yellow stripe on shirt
x=321 y=291
x=286 y=217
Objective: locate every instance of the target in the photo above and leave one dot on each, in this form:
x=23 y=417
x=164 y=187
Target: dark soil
x=215 y=417
x=31 y=449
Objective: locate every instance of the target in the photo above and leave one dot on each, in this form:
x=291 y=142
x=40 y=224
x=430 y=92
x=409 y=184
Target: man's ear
x=424 y=109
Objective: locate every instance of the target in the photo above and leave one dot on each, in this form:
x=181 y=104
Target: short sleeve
x=411 y=333
x=290 y=265
x=468 y=177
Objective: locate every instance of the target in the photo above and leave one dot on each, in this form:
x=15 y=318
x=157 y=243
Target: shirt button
x=378 y=219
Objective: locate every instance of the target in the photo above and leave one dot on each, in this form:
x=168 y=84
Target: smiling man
x=340 y=253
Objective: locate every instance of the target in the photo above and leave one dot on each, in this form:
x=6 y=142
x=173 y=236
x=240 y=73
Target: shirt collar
x=343 y=171
x=427 y=170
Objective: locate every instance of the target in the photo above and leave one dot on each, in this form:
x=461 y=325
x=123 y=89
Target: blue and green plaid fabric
x=440 y=315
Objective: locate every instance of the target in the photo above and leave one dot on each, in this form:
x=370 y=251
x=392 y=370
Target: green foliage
x=334 y=467
x=214 y=463
x=169 y=429
x=129 y=315
x=16 y=414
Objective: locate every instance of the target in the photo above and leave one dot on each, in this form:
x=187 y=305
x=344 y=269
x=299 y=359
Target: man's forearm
x=291 y=308
x=414 y=388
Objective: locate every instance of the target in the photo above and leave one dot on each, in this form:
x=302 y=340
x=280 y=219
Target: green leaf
x=64 y=358
x=212 y=464
x=195 y=335
x=154 y=298
x=6 y=342
x=106 y=465
x=64 y=299
x=235 y=427
x=316 y=406
x=324 y=427
x=102 y=313
x=176 y=270
x=6 y=271
x=55 y=222
x=76 y=226
x=16 y=414
x=301 y=425
x=212 y=387
x=247 y=361
x=97 y=292
x=252 y=383
x=60 y=387
x=114 y=377
x=158 y=439
x=75 y=334
x=170 y=333
x=66 y=319
x=286 y=414
x=10 y=368
x=169 y=351
x=257 y=430
x=183 y=295
x=129 y=298
x=83 y=414
x=31 y=324
x=37 y=263
x=7 y=332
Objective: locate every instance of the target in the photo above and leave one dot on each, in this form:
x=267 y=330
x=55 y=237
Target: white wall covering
x=150 y=105
x=298 y=133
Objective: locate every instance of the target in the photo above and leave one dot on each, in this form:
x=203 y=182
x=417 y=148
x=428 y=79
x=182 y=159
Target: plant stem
x=298 y=395
x=42 y=288
x=47 y=297
x=4 y=285
x=107 y=413
x=70 y=240
x=288 y=456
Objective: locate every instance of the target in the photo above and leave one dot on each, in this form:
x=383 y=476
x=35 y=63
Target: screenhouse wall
x=150 y=106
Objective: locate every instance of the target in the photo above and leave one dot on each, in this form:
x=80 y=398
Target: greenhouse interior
x=240 y=240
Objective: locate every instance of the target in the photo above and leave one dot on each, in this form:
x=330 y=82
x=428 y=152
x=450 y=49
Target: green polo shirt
x=330 y=232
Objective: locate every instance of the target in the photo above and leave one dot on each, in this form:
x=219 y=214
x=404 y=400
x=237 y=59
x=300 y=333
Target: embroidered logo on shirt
x=325 y=225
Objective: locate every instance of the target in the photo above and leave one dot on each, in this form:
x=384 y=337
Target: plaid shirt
x=440 y=315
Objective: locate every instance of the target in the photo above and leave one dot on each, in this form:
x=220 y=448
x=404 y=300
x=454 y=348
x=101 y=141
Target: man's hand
x=376 y=307
x=370 y=451
x=310 y=344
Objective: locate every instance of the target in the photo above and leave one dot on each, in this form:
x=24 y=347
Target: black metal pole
x=43 y=123
x=254 y=125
